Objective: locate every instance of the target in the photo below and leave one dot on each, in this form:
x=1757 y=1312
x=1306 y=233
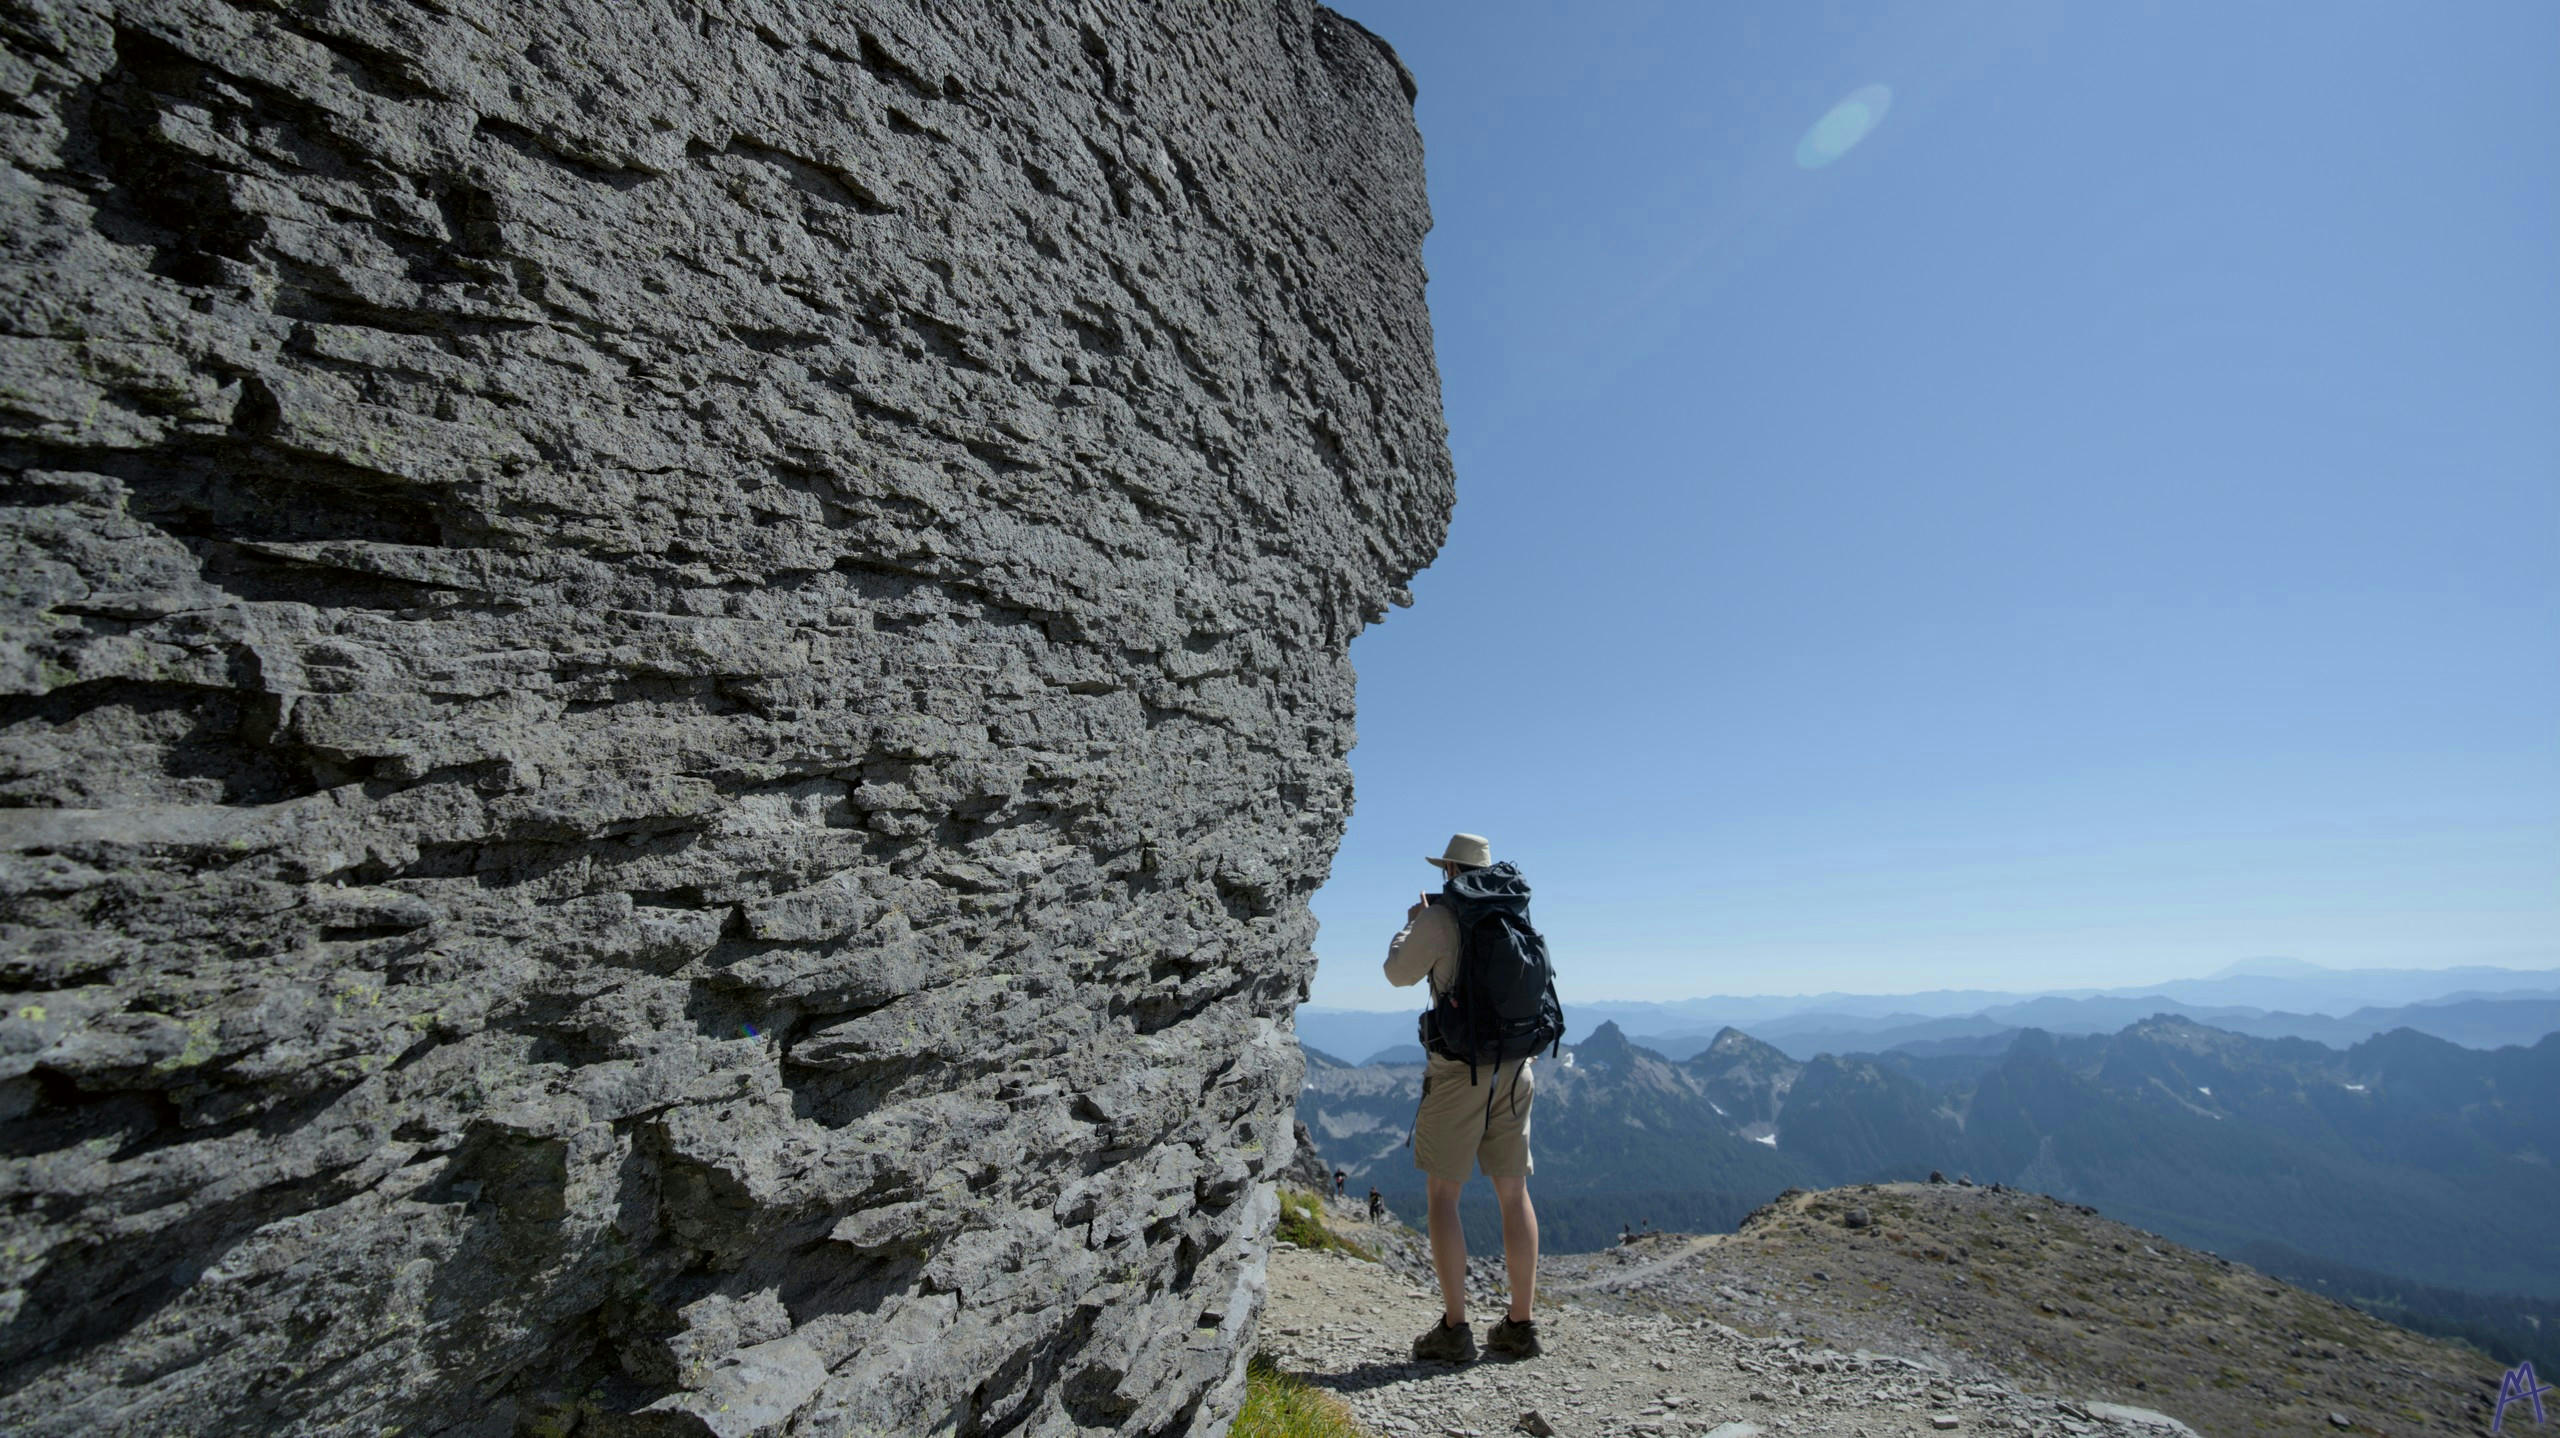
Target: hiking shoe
x=1514 y=1338
x=1444 y=1344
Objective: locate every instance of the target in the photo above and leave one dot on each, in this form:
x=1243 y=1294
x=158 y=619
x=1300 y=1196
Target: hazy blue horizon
x=1994 y=495
x=2544 y=966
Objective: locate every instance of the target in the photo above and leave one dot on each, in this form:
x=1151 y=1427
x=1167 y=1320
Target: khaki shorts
x=1485 y=1124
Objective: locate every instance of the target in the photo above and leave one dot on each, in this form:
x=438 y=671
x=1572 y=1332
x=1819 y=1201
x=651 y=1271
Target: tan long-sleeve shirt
x=1426 y=946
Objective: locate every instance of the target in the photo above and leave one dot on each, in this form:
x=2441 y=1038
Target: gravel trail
x=1347 y=1325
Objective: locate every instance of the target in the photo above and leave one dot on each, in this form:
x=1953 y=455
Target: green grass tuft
x=1302 y=1223
x=1281 y=1405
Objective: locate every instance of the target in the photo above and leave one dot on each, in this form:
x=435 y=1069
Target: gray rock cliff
x=671 y=681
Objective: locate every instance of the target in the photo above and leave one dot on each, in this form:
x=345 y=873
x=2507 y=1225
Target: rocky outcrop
x=674 y=680
x=1307 y=1167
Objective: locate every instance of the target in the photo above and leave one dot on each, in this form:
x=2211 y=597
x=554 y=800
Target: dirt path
x=1626 y=1277
x=1347 y=1325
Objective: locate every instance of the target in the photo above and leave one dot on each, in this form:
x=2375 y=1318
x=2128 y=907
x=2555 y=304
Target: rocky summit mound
x=2028 y=1291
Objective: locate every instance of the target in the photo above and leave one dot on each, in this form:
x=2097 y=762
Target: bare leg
x=1448 y=1247
x=1519 y=1244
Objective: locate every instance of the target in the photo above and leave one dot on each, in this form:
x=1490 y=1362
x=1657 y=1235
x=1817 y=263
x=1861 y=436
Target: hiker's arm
x=1428 y=936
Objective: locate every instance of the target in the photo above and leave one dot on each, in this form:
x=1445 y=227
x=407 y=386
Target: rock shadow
x=1374 y=1374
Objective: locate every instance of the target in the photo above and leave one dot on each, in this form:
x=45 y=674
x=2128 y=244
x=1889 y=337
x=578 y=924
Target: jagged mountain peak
x=1731 y=1044
x=2165 y=1027
x=2407 y=1045
x=1606 y=1044
x=1855 y=1068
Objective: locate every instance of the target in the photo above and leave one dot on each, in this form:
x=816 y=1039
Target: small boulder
x=1936 y=1177
x=1535 y=1424
x=2160 y=1425
x=1857 y=1218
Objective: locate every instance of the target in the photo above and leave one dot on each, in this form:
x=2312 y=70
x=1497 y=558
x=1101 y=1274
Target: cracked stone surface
x=671 y=682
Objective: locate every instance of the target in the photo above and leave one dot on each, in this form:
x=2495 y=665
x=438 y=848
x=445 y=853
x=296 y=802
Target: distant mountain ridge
x=2473 y=1022
x=2475 y=1006
x=2404 y=1153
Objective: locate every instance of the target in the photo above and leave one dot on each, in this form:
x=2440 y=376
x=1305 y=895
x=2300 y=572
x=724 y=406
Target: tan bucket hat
x=1468 y=850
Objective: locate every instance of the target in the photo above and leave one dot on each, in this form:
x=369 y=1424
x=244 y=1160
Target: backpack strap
x=1551 y=998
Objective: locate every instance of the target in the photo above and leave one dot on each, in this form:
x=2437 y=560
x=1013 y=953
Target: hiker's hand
x=1418 y=906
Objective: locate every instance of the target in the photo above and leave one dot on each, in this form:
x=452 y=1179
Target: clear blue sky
x=2104 y=526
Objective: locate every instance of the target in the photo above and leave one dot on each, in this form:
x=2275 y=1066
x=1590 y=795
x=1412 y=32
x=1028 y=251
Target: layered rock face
x=674 y=678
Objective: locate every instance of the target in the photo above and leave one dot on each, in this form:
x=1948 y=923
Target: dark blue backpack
x=1503 y=1005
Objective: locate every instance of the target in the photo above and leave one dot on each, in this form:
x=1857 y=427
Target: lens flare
x=1839 y=132
x=749 y=1031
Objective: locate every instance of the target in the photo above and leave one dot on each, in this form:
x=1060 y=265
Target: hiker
x=1493 y=1005
x=1377 y=1205
x=1338 y=1176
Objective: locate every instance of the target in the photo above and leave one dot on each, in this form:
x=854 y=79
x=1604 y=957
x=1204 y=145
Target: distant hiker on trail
x=1493 y=1005
x=1377 y=1205
x=1338 y=1176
